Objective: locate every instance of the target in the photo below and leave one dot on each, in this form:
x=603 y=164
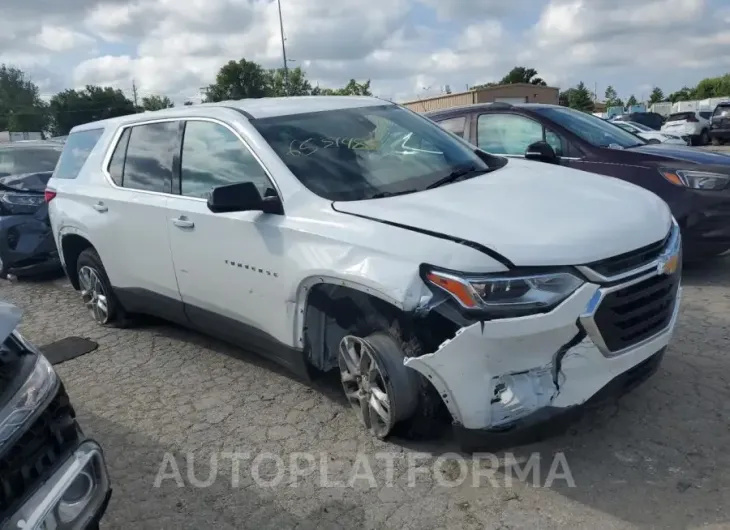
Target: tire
x=93 y=283
x=704 y=137
x=716 y=141
x=414 y=405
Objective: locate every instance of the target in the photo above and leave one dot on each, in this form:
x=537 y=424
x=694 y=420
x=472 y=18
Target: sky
x=408 y=48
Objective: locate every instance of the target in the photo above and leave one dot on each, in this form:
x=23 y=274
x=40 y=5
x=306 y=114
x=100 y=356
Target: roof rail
x=501 y=105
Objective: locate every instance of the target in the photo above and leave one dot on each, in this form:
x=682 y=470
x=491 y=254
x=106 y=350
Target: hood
x=682 y=153
x=32 y=182
x=531 y=213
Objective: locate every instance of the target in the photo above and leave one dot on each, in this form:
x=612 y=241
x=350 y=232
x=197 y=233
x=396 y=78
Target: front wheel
x=381 y=391
x=96 y=290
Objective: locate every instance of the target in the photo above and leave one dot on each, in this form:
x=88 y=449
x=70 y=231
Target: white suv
x=351 y=234
x=692 y=124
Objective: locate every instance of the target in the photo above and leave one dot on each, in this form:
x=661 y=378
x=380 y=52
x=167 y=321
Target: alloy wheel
x=93 y=294
x=364 y=383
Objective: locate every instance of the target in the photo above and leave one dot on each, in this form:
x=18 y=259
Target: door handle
x=100 y=207
x=183 y=222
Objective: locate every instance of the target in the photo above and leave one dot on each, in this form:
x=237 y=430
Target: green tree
x=157 y=103
x=580 y=98
x=564 y=97
x=21 y=107
x=713 y=87
x=612 y=99
x=75 y=107
x=631 y=101
x=521 y=74
x=683 y=94
x=657 y=95
x=352 y=88
x=238 y=80
x=298 y=83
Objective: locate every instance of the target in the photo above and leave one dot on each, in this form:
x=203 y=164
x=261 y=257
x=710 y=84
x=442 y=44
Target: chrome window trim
x=671 y=247
x=118 y=135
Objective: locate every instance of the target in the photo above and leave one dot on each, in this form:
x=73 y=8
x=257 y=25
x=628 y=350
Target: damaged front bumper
x=510 y=381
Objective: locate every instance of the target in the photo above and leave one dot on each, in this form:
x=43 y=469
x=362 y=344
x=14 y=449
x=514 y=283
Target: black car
x=26 y=241
x=695 y=183
x=720 y=124
x=52 y=476
x=650 y=119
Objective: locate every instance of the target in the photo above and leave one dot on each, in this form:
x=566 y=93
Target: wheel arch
x=72 y=244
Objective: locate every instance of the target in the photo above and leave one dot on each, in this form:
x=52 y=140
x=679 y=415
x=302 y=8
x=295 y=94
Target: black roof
x=487 y=106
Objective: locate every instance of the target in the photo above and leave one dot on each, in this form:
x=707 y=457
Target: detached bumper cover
x=27 y=245
x=504 y=375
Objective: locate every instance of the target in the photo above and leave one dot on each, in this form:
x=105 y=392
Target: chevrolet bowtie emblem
x=668 y=265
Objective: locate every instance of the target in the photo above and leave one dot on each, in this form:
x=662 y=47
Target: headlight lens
x=27 y=400
x=507 y=295
x=699 y=180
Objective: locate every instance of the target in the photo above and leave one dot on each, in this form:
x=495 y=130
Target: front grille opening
x=49 y=441
x=637 y=312
x=629 y=261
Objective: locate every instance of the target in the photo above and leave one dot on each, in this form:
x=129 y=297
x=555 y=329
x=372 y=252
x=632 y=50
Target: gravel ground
x=157 y=394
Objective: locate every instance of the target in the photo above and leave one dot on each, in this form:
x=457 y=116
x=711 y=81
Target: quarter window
x=148 y=164
x=76 y=150
x=454 y=125
x=213 y=156
x=116 y=165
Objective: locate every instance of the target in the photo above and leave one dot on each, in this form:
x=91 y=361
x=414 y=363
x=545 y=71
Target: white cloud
x=407 y=47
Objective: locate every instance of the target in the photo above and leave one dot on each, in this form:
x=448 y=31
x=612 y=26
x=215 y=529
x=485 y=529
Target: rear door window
x=76 y=151
x=680 y=116
x=148 y=164
x=455 y=125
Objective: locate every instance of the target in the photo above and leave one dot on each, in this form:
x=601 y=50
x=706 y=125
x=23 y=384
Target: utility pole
x=283 y=50
x=134 y=96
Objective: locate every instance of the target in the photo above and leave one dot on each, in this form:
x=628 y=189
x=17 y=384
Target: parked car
x=720 y=124
x=51 y=475
x=650 y=135
x=653 y=120
x=695 y=124
x=692 y=181
x=26 y=241
x=351 y=234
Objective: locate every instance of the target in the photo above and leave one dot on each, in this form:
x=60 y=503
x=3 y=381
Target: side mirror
x=243 y=197
x=541 y=152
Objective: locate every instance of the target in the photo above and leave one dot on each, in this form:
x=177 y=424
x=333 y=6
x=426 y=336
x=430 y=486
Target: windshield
x=640 y=126
x=593 y=130
x=15 y=160
x=722 y=110
x=366 y=152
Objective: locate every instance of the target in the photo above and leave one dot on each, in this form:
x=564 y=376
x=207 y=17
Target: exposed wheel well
x=72 y=246
x=334 y=311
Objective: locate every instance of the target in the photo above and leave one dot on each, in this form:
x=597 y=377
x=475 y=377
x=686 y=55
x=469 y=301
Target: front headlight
x=506 y=296
x=699 y=180
x=27 y=400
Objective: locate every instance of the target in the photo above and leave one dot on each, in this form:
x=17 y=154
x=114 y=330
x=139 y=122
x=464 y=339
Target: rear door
x=128 y=223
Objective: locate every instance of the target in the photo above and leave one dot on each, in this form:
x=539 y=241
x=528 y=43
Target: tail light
x=49 y=194
x=692 y=119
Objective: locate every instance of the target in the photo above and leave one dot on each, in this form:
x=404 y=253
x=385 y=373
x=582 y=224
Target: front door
x=227 y=264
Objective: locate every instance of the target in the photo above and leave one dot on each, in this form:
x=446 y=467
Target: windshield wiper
x=384 y=194
x=458 y=174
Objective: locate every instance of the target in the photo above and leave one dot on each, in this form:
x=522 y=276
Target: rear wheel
x=96 y=290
